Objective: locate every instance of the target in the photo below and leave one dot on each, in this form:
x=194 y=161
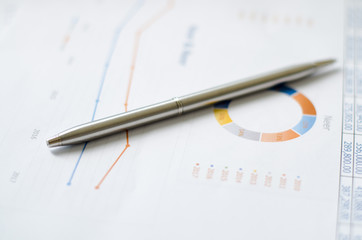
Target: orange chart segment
x=138 y=36
x=307 y=106
x=279 y=137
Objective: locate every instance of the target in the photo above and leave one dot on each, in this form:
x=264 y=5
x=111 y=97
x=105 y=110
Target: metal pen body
x=180 y=105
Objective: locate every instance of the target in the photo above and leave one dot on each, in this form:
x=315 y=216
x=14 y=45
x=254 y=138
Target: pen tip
x=54 y=141
x=324 y=62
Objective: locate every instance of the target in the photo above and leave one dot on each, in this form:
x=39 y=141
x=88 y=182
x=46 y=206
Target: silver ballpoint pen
x=179 y=105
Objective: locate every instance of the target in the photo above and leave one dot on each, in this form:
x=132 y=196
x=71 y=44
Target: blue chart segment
x=304 y=125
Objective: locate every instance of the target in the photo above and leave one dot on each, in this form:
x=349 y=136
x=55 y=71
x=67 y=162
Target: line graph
x=135 y=8
x=138 y=36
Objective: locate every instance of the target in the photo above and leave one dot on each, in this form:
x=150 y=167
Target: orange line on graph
x=139 y=33
x=109 y=170
x=142 y=29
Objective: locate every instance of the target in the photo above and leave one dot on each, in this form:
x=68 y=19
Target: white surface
x=50 y=84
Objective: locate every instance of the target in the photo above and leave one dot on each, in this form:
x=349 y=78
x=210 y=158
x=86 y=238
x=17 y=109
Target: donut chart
x=304 y=125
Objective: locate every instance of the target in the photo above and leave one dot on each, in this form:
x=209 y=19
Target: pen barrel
x=120 y=122
x=243 y=87
x=180 y=105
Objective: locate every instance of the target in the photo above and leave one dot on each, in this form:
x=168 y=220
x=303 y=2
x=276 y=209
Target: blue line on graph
x=118 y=31
x=76 y=165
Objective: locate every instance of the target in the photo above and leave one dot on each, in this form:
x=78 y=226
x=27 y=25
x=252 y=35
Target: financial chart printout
x=278 y=164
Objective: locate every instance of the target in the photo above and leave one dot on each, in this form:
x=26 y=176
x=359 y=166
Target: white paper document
x=278 y=164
